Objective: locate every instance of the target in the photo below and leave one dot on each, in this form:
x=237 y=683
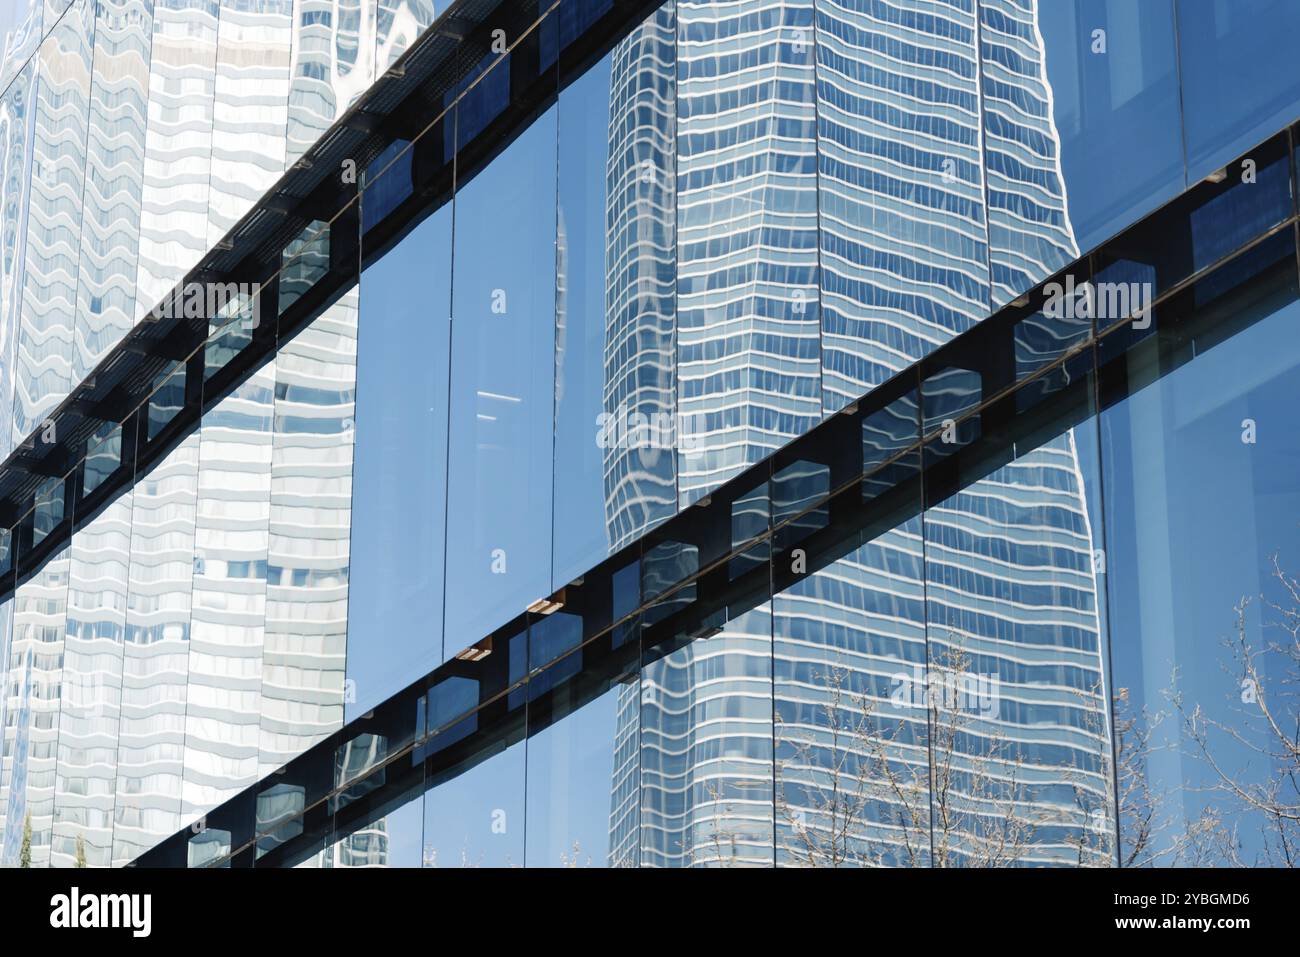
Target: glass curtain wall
x=136 y=134
x=977 y=631
x=569 y=351
x=886 y=178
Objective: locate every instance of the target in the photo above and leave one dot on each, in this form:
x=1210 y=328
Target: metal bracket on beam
x=456 y=28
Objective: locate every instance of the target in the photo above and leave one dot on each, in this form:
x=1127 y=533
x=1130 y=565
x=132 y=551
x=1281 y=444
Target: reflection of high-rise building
x=307 y=566
x=249 y=108
x=178 y=147
x=748 y=361
x=1012 y=596
x=367 y=847
x=640 y=283
x=228 y=618
x=333 y=63
x=205 y=612
x=1029 y=216
x=155 y=656
x=110 y=232
x=1002 y=585
x=827 y=588
x=43 y=366
x=903 y=246
x=90 y=718
x=15 y=139
x=35 y=695
x=268 y=625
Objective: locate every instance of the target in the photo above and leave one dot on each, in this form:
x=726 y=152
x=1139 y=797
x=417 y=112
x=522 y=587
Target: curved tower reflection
x=914 y=130
x=641 y=278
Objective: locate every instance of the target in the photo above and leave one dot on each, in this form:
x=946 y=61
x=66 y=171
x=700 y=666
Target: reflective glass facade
x=533 y=452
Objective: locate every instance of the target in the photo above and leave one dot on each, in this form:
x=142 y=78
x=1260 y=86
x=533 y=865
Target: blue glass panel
x=551 y=636
x=476 y=817
x=1201 y=227
x=1016 y=657
x=846 y=637
x=502 y=390
x=1112 y=88
x=1247 y=209
x=1081 y=124
x=706 y=750
x=1203 y=549
x=482 y=103
x=1030 y=232
x=749 y=331
x=399 y=485
x=386 y=182
x=573 y=18
x=577 y=813
x=640 y=284
x=391 y=840
x=614 y=430
x=1240 y=75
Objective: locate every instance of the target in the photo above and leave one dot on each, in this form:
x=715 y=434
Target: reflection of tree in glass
x=722 y=840
x=1140 y=821
x=1252 y=755
x=827 y=820
x=863 y=798
x=25 y=854
x=852 y=789
x=576 y=860
x=430 y=857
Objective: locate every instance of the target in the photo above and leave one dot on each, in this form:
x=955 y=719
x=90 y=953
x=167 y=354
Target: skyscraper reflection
x=998 y=580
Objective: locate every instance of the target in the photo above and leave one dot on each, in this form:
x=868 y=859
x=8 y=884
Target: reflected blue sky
x=502 y=388
x=1114 y=100
x=400 y=471
x=571 y=770
x=476 y=819
x=1194 y=515
x=1240 y=76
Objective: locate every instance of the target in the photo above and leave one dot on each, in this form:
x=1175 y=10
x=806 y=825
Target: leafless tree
x=1262 y=727
x=1142 y=819
x=860 y=785
x=849 y=796
x=826 y=822
x=723 y=847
